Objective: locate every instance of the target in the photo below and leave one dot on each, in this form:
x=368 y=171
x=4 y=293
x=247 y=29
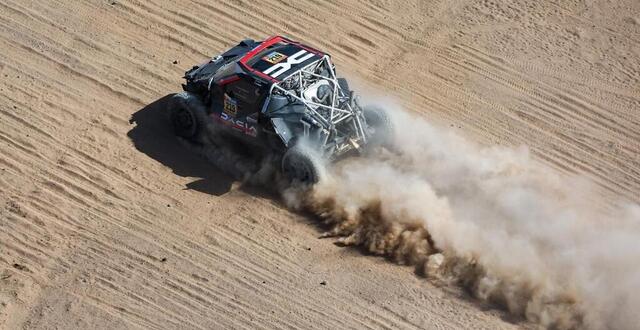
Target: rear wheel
x=301 y=165
x=380 y=128
x=186 y=113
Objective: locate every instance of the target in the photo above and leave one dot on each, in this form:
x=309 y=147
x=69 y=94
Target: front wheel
x=186 y=113
x=301 y=165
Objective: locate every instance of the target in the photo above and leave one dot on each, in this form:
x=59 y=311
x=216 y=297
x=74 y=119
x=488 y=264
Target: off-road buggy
x=277 y=97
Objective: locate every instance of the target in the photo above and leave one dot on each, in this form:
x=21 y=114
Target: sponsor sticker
x=274 y=57
x=236 y=124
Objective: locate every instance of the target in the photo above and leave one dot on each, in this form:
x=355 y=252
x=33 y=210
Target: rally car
x=277 y=97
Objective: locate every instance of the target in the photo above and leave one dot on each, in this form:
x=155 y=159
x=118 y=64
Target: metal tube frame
x=340 y=108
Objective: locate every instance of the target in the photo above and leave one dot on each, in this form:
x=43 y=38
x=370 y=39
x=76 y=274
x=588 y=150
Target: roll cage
x=332 y=113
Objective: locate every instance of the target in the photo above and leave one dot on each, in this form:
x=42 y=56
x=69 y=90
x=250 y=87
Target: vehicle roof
x=277 y=58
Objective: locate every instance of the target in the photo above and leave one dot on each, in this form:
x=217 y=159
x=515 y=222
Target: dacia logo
x=236 y=124
x=283 y=67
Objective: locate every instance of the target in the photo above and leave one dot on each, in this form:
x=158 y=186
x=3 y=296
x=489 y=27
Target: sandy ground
x=107 y=224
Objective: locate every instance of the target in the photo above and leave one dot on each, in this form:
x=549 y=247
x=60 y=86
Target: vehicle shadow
x=154 y=137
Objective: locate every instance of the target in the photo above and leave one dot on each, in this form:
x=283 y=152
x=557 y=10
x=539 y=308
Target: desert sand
x=112 y=224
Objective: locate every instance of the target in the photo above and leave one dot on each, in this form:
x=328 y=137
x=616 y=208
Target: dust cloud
x=509 y=230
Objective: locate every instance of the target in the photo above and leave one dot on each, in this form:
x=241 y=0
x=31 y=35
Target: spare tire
x=187 y=115
x=301 y=165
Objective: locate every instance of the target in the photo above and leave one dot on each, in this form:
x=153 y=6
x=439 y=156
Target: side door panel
x=238 y=107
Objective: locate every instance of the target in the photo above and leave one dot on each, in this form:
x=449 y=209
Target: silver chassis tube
x=336 y=114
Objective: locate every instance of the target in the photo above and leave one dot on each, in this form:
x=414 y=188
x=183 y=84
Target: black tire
x=187 y=115
x=380 y=127
x=301 y=165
